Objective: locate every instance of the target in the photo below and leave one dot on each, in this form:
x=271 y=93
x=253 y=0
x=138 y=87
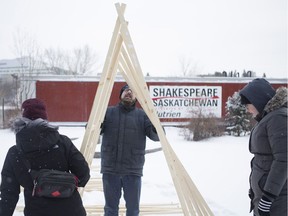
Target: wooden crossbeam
x=145 y=209
x=122 y=56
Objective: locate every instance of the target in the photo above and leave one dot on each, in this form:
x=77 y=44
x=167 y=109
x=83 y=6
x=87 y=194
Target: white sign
x=186 y=101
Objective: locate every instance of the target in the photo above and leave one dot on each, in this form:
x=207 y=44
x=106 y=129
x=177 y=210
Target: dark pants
x=112 y=186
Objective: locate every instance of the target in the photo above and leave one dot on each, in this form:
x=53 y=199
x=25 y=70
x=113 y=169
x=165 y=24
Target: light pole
x=15 y=78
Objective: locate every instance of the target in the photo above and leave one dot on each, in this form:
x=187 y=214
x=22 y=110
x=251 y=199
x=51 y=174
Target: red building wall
x=70 y=101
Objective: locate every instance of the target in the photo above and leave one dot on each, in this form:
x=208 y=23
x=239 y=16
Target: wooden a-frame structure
x=121 y=57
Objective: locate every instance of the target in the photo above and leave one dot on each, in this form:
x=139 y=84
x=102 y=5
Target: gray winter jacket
x=123 y=146
x=268 y=143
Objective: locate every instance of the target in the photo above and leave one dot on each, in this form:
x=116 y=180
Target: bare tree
x=55 y=61
x=188 y=67
x=32 y=61
x=29 y=57
x=79 y=61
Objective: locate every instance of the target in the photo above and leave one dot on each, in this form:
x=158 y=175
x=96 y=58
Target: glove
x=251 y=196
x=264 y=206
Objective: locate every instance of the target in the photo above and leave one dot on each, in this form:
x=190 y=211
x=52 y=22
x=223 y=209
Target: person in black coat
x=40 y=143
x=268 y=143
x=124 y=131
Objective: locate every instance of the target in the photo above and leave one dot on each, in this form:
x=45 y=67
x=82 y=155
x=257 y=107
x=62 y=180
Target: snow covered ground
x=219 y=167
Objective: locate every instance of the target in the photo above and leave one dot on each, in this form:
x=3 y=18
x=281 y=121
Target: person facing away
x=268 y=143
x=124 y=132
x=40 y=143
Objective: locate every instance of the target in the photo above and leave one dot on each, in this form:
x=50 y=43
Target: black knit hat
x=123 y=89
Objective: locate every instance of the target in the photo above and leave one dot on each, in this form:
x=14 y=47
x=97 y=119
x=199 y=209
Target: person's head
x=127 y=96
x=33 y=109
x=256 y=94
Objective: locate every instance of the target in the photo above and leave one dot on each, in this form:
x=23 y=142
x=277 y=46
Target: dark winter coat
x=268 y=143
x=43 y=146
x=124 y=140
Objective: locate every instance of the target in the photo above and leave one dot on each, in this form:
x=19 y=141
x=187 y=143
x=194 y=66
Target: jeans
x=112 y=186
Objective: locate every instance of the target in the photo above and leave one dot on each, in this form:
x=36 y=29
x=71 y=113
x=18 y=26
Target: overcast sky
x=212 y=35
